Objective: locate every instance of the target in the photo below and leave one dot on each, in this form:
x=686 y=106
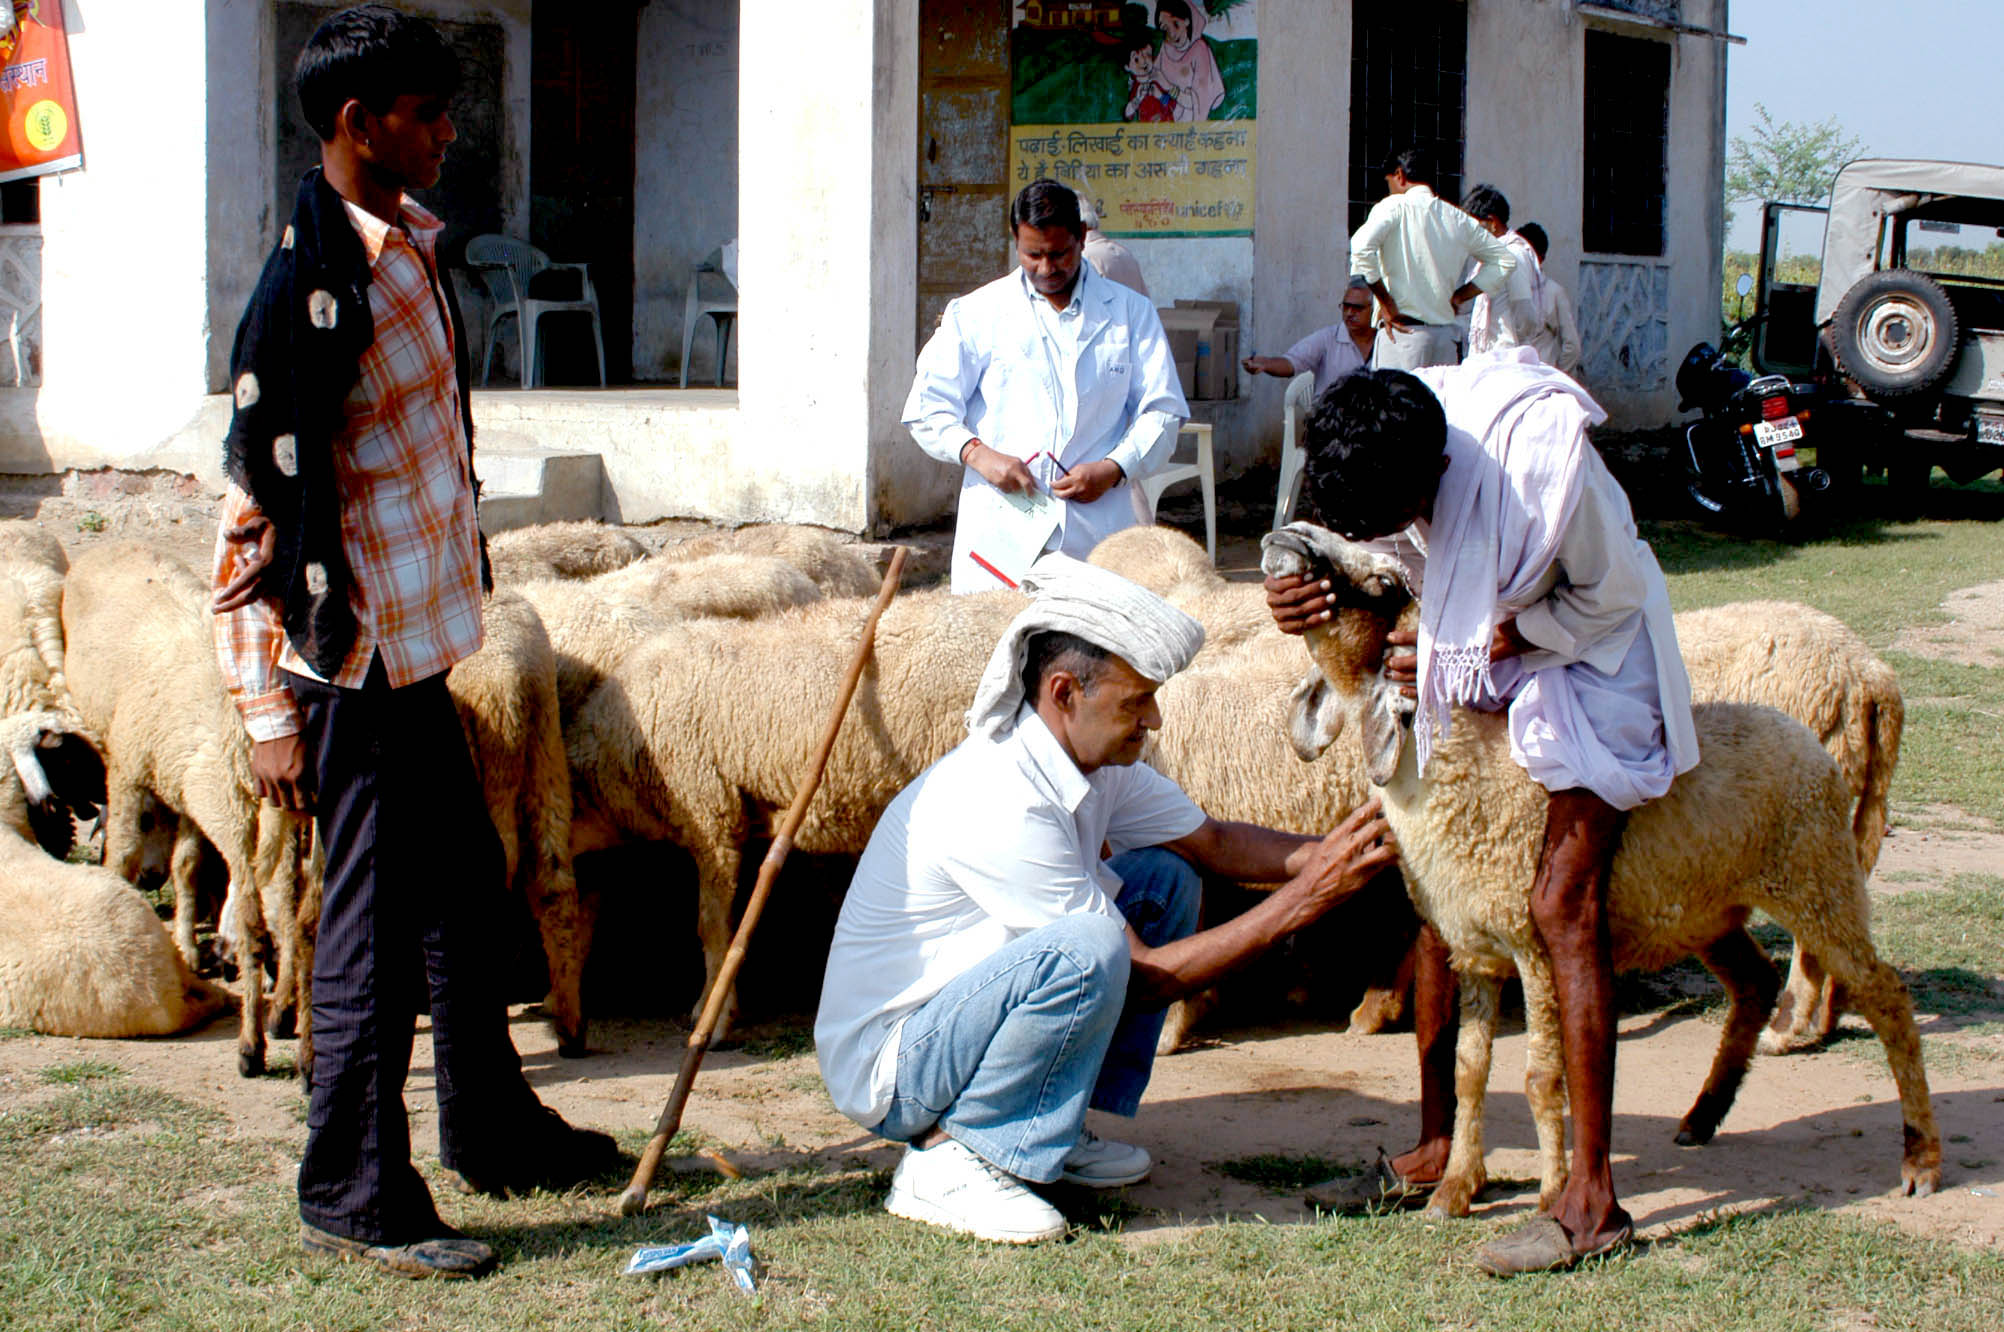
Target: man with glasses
x=1331 y=353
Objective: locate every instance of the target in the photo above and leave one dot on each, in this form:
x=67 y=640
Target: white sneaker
x=948 y=1185
x=1101 y=1163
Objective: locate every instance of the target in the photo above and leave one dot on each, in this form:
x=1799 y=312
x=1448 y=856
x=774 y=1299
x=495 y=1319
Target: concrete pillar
x=125 y=316
x=828 y=285
x=1301 y=251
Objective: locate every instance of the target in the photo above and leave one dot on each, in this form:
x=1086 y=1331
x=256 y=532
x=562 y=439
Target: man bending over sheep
x=348 y=581
x=1535 y=595
x=1024 y=912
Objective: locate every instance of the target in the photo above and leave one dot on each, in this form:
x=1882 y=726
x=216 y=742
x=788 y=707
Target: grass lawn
x=1879 y=578
x=122 y=1206
x=128 y=1208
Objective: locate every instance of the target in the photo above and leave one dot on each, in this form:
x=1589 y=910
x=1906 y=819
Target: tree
x=1787 y=162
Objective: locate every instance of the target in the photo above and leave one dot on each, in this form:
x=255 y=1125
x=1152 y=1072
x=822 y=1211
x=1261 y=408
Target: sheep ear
x=1384 y=733
x=1314 y=717
x=35 y=782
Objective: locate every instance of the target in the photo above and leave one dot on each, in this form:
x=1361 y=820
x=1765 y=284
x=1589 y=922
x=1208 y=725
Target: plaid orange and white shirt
x=409 y=523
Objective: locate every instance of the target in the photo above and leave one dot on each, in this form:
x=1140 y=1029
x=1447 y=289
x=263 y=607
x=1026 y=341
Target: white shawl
x=1101 y=607
x=1498 y=517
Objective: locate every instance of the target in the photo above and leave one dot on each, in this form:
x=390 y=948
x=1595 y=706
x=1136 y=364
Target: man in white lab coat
x=1054 y=389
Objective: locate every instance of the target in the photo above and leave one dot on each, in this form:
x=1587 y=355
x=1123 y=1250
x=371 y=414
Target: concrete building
x=860 y=152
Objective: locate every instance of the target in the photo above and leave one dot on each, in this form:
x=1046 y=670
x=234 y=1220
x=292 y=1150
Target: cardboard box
x=1188 y=331
x=1217 y=356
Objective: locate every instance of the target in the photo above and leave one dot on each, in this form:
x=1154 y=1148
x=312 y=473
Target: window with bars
x=1627 y=143
x=1408 y=88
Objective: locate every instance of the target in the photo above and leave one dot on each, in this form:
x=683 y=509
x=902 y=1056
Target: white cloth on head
x=1527 y=520
x=1106 y=610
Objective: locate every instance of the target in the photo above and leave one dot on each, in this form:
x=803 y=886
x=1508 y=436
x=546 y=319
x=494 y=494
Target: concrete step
x=523 y=484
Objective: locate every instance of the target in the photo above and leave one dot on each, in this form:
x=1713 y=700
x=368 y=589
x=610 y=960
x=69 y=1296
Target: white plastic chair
x=722 y=309
x=1300 y=394
x=1153 y=485
x=504 y=267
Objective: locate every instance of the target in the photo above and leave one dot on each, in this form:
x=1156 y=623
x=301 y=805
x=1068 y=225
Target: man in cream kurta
x=1412 y=250
x=1535 y=594
x=1054 y=389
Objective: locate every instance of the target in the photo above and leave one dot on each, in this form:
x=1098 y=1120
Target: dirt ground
x=1821 y=1128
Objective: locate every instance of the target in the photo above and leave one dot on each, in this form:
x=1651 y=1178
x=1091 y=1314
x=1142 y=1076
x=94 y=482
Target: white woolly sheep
x=836 y=564
x=1763 y=822
x=81 y=954
x=699 y=735
x=1816 y=669
x=506 y=694
x=594 y=622
x=144 y=679
x=32 y=568
x=561 y=550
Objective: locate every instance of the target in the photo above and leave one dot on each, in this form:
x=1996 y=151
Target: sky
x=1919 y=78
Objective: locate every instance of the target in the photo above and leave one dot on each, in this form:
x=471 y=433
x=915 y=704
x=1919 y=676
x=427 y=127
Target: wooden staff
x=635 y=1198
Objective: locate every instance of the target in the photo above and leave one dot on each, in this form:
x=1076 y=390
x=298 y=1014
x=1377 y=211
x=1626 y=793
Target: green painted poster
x=1150 y=109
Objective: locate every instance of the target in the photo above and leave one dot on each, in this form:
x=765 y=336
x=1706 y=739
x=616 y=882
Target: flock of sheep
x=623 y=698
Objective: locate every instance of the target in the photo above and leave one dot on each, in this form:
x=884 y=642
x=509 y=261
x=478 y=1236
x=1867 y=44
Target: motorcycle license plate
x=1990 y=430
x=1770 y=433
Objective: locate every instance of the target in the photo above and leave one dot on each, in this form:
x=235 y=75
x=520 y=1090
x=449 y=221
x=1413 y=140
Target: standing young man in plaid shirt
x=349 y=576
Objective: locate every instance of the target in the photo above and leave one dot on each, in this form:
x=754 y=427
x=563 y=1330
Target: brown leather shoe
x=451 y=1256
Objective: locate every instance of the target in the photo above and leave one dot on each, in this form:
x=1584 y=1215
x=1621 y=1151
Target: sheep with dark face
x=1763 y=822
x=81 y=954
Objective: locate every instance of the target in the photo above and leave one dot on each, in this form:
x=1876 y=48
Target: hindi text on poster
x=1149 y=179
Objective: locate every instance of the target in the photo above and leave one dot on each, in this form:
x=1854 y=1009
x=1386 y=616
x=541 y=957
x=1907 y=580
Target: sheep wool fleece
x=1101 y=607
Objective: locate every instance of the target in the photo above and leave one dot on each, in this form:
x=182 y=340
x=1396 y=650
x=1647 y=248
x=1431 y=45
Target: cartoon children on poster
x=1179 y=82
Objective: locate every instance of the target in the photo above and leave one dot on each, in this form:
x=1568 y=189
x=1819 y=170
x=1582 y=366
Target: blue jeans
x=1008 y=1056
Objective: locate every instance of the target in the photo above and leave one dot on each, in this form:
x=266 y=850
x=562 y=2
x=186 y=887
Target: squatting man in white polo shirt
x=1027 y=907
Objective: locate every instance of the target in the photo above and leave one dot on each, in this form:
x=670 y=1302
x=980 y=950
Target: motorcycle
x=1742 y=464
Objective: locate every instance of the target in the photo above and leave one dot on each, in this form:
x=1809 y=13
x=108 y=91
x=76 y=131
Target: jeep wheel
x=1895 y=333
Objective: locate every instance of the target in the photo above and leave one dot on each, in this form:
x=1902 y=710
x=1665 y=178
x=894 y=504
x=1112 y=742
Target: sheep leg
x=1384 y=1005
x=1846 y=949
x=277 y=863
x=183 y=873
x=1750 y=980
x=312 y=881
x=1465 y=1173
x=717 y=867
x=1809 y=1008
x=250 y=975
x=1544 y=1076
x=1569 y=908
x=1182 y=1017
x=566 y=932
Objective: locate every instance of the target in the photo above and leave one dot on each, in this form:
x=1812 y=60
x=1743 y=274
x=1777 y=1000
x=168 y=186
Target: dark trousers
x=414 y=870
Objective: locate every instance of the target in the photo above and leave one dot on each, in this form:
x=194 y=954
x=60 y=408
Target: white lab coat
x=991 y=372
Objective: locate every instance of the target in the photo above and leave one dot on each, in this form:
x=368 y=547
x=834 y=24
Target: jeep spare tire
x=1895 y=333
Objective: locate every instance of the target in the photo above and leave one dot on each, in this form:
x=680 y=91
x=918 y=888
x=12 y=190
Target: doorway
x=581 y=145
